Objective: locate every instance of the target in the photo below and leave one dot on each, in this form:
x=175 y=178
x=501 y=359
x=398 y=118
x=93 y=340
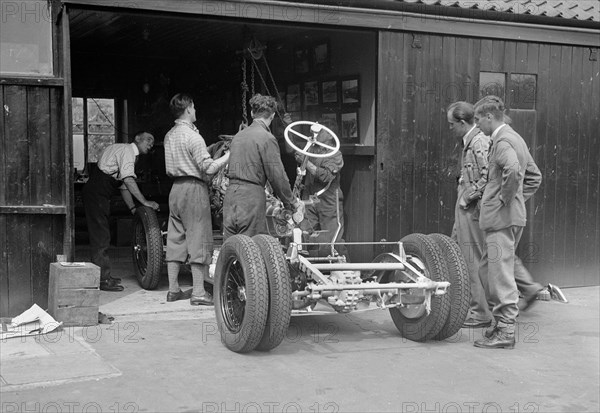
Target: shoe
x=116 y=279
x=556 y=293
x=110 y=285
x=472 y=323
x=205 y=299
x=499 y=339
x=529 y=301
x=179 y=295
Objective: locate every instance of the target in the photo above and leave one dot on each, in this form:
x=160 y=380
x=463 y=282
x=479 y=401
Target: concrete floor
x=160 y=356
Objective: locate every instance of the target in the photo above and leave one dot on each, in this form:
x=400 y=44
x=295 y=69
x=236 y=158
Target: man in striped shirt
x=189 y=235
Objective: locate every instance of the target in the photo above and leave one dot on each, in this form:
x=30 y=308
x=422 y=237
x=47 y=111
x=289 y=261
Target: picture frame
x=350 y=91
x=349 y=124
x=330 y=92
x=301 y=60
x=293 y=98
x=311 y=94
x=320 y=58
x=331 y=118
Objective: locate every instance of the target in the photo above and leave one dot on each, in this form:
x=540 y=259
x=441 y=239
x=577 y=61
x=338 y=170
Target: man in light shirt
x=116 y=170
x=189 y=235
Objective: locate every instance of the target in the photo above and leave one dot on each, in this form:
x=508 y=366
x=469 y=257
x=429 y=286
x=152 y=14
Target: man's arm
x=133 y=189
x=480 y=151
x=207 y=165
x=532 y=179
x=275 y=173
x=509 y=164
x=479 y=148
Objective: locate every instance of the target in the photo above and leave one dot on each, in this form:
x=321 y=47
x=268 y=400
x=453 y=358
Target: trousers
x=471 y=240
x=96 y=201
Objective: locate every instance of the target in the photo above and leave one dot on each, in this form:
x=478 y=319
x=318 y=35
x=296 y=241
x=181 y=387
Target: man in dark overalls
x=255 y=159
x=116 y=170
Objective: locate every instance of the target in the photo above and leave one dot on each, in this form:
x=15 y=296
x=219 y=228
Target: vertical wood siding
x=417 y=159
x=32 y=169
x=358 y=185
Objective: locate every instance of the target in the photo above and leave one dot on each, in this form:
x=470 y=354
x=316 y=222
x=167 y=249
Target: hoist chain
x=252 y=79
x=276 y=96
x=244 y=86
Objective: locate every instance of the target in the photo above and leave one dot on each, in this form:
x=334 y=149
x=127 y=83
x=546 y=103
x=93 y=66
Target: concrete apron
x=159 y=356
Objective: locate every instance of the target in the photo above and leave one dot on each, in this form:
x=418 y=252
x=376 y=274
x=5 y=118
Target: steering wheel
x=315 y=128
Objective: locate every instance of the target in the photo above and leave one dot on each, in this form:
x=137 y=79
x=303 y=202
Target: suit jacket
x=513 y=177
x=474 y=164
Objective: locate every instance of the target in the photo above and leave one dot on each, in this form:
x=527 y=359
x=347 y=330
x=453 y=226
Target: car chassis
x=260 y=281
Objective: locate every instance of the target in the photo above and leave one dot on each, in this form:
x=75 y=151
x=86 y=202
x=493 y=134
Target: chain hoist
x=252 y=71
x=256 y=52
x=244 y=86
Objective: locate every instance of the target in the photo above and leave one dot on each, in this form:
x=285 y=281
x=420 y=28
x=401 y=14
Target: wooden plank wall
x=419 y=76
x=31 y=166
x=358 y=185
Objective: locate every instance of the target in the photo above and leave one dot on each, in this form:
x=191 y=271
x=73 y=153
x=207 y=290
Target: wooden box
x=74 y=294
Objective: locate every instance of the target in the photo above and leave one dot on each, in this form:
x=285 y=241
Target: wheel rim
x=140 y=248
x=233 y=299
x=415 y=311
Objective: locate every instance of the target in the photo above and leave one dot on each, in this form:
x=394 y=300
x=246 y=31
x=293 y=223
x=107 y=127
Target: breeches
x=190 y=223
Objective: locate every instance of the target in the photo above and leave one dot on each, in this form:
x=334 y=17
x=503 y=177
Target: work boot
x=503 y=336
x=489 y=332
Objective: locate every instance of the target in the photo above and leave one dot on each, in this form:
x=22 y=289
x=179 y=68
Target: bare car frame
x=260 y=282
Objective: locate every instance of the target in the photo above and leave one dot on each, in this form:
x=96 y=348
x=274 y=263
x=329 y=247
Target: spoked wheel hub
x=233 y=302
x=147 y=247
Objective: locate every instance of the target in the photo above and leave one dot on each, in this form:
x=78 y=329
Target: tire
x=147 y=248
x=460 y=289
x=280 y=292
x=241 y=294
x=422 y=327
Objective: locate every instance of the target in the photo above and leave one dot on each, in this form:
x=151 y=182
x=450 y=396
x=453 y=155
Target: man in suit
x=473 y=166
x=513 y=177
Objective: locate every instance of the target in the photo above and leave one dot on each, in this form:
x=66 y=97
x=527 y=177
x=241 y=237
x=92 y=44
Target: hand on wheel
x=152 y=204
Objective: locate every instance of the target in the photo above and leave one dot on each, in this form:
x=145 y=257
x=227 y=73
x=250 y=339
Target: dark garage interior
x=133 y=63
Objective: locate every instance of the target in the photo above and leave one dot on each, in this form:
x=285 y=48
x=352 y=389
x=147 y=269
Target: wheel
x=241 y=294
x=311 y=140
x=460 y=288
x=280 y=292
x=412 y=321
x=147 y=247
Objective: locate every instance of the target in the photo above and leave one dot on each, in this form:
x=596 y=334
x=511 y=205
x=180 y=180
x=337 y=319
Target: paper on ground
x=32 y=322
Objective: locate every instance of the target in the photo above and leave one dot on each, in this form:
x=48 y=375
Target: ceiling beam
x=335 y=15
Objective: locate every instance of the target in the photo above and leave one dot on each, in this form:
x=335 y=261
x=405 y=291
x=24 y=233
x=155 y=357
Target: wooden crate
x=74 y=294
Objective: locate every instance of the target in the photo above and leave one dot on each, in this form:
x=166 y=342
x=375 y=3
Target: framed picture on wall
x=301 y=60
x=351 y=91
x=320 y=57
x=349 y=127
x=311 y=94
x=329 y=92
x=293 y=99
x=331 y=120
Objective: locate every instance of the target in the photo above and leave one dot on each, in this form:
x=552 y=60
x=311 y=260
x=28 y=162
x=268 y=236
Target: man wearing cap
x=116 y=170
